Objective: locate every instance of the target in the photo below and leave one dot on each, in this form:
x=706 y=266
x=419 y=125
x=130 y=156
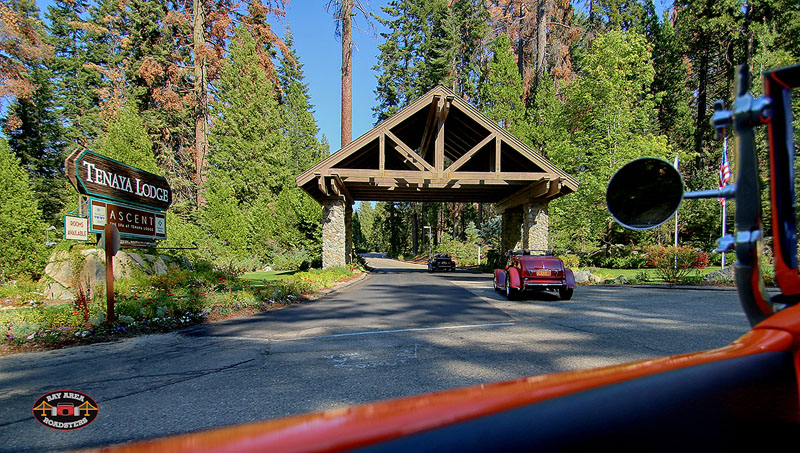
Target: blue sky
x=320 y=52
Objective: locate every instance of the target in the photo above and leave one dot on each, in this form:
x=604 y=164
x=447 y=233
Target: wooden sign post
x=111 y=244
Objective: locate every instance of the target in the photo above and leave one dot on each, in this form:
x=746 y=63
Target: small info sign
x=76 y=228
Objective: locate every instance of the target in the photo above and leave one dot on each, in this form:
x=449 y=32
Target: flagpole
x=724 y=201
x=676 y=219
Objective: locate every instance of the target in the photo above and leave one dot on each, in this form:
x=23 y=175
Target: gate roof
x=439 y=148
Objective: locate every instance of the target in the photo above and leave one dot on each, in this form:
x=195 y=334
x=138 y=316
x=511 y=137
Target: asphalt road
x=398 y=332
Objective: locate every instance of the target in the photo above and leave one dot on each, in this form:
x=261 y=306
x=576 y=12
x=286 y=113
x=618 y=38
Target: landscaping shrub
x=673 y=264
x=570 y=261
x=291 y=260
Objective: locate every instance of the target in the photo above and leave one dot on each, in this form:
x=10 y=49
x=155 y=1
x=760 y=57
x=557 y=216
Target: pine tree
x=502 y=86
x=76 y=100
x=299 y=125
x=127 y=141
x=23 y=46
x=22 y=249
x=248 y=150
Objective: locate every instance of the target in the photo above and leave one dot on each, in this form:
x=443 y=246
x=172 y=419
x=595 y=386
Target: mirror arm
x=728 y=192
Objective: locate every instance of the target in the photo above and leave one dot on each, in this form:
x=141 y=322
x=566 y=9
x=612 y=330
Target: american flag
x=724 y=171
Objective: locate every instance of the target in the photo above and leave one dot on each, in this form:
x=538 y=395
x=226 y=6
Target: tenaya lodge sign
x=98 y=176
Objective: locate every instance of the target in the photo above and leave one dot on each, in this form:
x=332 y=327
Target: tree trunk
x=347 y=72
x=702 y=98
x=201 y=99
x=543 y=16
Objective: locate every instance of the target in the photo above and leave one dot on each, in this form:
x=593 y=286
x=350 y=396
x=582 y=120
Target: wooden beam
x=485 y=177
x=525 y=195
x=497 y=144
x=323 y=187
x=340 y=189
x=415 y=159
x=430 y=124
x=463 y=159
x=439 y=145
x=382 y=153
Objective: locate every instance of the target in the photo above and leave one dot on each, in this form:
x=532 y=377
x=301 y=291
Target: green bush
x=291 y=260
x=22 y=249
x=570 y=261
x=672 y=263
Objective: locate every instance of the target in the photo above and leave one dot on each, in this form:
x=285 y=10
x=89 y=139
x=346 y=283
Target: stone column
x=333 y=233
x=512 y=229
x=348 y=230
x=535 y=226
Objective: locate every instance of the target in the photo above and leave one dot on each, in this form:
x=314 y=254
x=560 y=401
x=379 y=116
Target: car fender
x=570 y=278
x=513 y=278
x=500 y=277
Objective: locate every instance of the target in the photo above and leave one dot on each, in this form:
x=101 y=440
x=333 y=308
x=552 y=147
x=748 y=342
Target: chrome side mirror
x=644 y=193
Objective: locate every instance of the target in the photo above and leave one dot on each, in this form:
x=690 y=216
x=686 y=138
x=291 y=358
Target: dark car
x=441 y=263
x=532 y=270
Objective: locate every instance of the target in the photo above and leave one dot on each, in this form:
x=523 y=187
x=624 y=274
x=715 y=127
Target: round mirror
x=644 y=193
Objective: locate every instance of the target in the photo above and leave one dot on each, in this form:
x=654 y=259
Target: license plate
x=543 y=272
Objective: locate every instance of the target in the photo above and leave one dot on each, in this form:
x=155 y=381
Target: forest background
x=210 y=96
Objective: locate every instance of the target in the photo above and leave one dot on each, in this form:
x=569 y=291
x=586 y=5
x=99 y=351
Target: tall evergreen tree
x=22 y=249
x=502 y=86
x=299 y=126
x=247 y=147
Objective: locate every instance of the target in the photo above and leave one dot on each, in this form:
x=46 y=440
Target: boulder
x=720 y=276
x=94 y=270
x=60 y=271
x=580 y=276
x=55 y=291
x=136 y=258
x=593 y=278
x=159 y=267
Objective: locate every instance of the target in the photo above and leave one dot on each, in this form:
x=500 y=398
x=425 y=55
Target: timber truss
x=439 y=148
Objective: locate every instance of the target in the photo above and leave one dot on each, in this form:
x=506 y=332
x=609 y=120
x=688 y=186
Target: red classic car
x=531 y=270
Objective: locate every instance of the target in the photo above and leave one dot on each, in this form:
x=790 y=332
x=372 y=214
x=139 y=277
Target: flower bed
x=156 y=304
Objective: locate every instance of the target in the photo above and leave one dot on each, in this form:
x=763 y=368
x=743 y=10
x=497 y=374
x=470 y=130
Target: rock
x=123 y=265
x=159 y=267
x=621 y=280
x=55 y=291
x=60 y=271
x=580 y=276
x=94 y=271
x=88 y=252
x=136 y=258
x=720 y=276
x=596 y=278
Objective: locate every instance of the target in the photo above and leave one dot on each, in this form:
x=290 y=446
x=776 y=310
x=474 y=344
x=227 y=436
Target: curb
x=335 y=288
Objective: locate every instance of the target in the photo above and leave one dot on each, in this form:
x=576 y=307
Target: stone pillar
x=535 y=226
x=333 y=233
x=512 y=229
x=348 y=231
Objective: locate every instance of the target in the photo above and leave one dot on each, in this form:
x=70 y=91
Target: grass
x=262 y=278
x=651 y=276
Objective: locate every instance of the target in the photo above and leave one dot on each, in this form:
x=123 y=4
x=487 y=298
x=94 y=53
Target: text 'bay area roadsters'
x=535 y=271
